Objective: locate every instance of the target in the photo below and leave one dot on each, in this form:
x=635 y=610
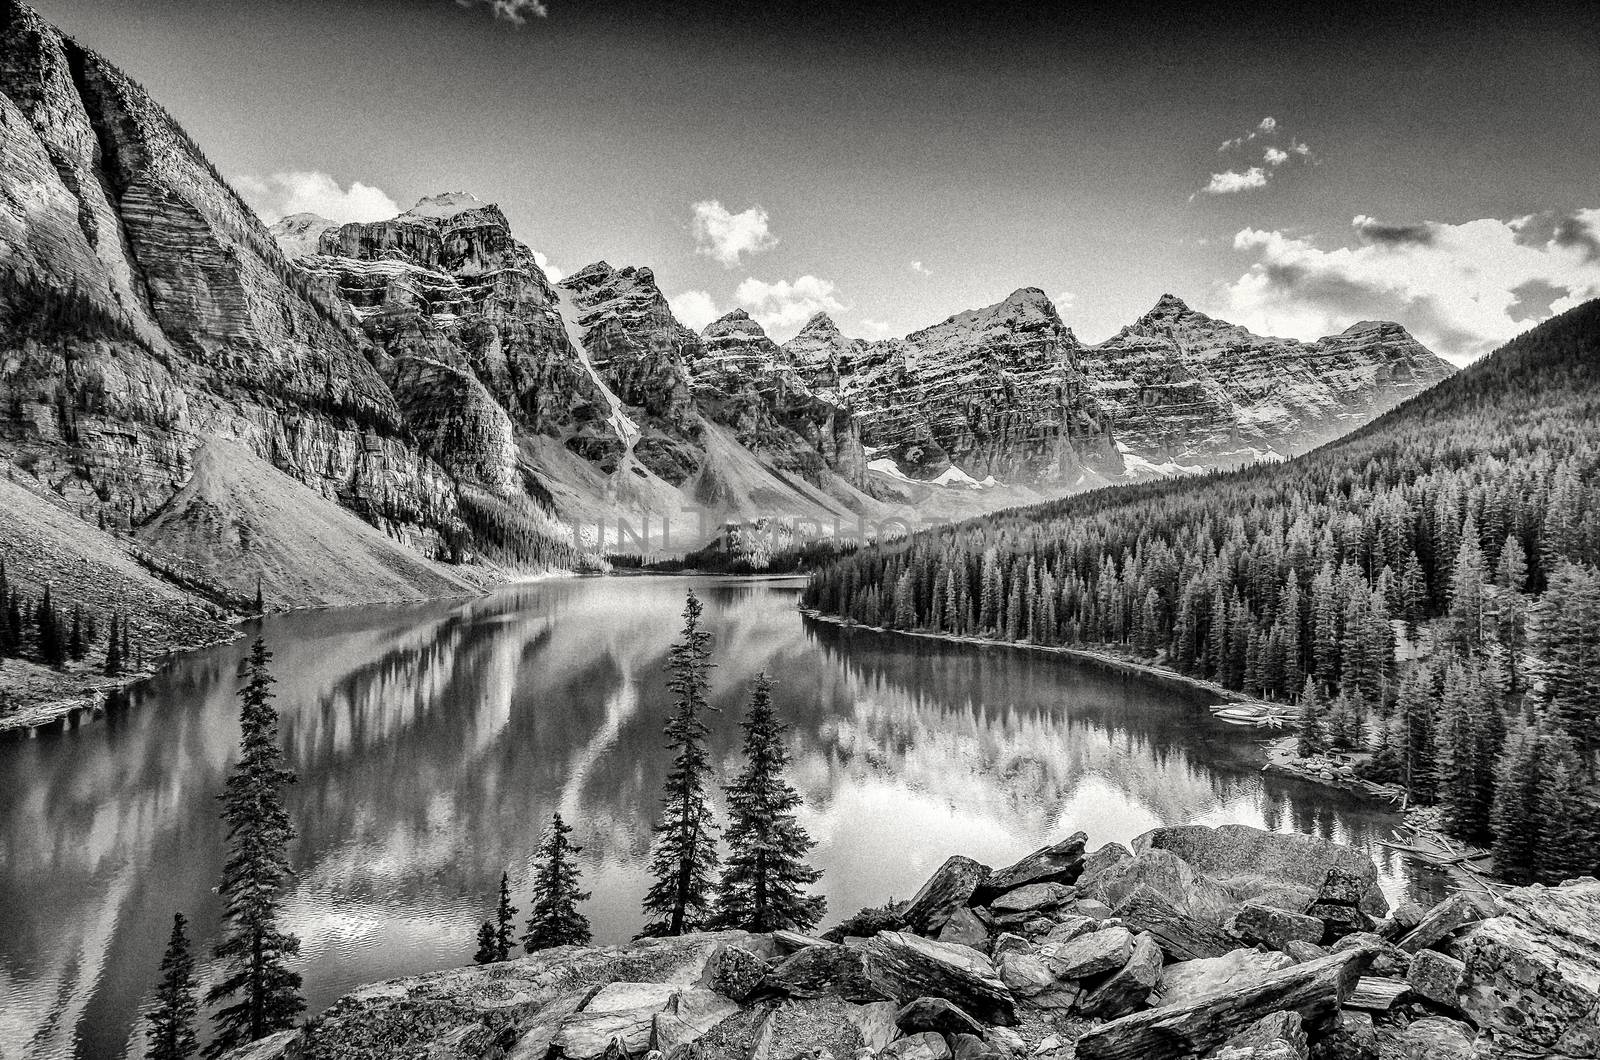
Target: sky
x=1291 y=168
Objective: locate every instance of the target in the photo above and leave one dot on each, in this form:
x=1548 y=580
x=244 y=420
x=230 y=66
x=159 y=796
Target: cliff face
x=1181 y=386
x=147 y=309
x=992 y=392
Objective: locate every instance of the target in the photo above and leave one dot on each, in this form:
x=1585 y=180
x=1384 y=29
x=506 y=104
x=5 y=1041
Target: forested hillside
x=1459 y=526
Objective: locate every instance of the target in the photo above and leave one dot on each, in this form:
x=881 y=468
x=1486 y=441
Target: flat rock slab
x=1240 y=851
x=810 y=1027
x=821 y=971
x=1377 y=995
x=937 y=1015
x=1028 y=977
x=906 y=967
x=1445 y=919
x=965 y=928
x=1438 y=1038
x=1273 y=927
x=924 y=1046
x=1034 y=896
x=688 y=1017
x=875 y=1022
x=1189 y=981
x=1315 y=990
x=1437 y=977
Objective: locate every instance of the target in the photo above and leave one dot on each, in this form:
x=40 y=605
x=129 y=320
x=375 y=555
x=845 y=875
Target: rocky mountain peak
x=736 y=323
x=299 y=234
x=446 y=205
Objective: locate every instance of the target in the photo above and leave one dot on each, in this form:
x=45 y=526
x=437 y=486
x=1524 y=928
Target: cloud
x=726 y=236
x=553 y=273
x=694 y=309
x=1461 y=289
x=877 y=329
x=785 y=306
x=920 y=269
x=1065 y=301
x=1231 y=181
x=1265 y=127
x=1274 y=157
x=278 y=195
x=516 y=12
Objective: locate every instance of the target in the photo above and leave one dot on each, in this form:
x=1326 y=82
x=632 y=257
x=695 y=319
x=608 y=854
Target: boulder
x=971 y=1047
x=1180 y=936
x=1315 y=990
x=1242 y=856
x=1028 y=976
x=536 y=1035
x=1069 y=928
x=1007 y=943
x=1162 y=871
x=950 y=888
x=1405 y=916
x=965 y=928
x=1445 y=919
x=689 y=1015
x=1352 y=1037
x=1273 y=927
x=1191 y=980
x=1107 y=857
x=937 y=1015
x=905 y=967
x=1532 y=974
x=1338 y=905
x=1007 y=1041
x=1058 y=863
x=924 y=1046
x=1092 y=908
x=1091 y=955
x=1437 y=977
x=787 y=942
x=875 y=1023
x=1437 y=1038
x=1128 y=988
x=1034 y=897
x=734 y=972
x=826 y=970
x=619 y=1012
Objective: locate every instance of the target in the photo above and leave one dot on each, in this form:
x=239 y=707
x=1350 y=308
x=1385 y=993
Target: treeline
x=44 y=631
x=508 y=532
x=1459 y=525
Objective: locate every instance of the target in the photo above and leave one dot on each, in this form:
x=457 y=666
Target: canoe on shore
x=1255 y=715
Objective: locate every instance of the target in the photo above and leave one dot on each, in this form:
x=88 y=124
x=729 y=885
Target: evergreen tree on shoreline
x=553 y=919
x=505 y=919
x=684 y=858
x=253 y=949
x=486 y=944
x=170 y=1034
x=764 y=877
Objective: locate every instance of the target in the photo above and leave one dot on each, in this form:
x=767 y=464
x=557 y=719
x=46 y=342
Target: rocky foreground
x=1230 y=943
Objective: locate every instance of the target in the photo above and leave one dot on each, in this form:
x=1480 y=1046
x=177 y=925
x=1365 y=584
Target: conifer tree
x=505 y=919
x=1514 y=816
x=553 y=918
x=253 y=950
x=1564 y=815
x=683 y=861
x=765 y=876
x=488 y=950
x=114 y=664
x=75 y=645
x=170 y=1025
x=1312 y=741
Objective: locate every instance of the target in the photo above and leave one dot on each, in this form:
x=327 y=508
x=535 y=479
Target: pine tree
x=505 y=920
x=683 y=861
x=553 y=918
x=1311 y=740
x=51 y=648
x=261 y=601
x=488 y=950
x=170 y=1029
x=1467 y=579
x=1514 y=816
x=75 y=645
x=765 y=876
x=253 y=950
x=114 y=664
x=1565 y=846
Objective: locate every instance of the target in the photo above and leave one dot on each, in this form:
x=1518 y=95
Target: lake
x=433 y=742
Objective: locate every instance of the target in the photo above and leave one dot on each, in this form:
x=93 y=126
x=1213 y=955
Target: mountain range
x=338 y=413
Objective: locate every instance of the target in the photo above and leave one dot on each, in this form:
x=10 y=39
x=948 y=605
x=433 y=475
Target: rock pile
x=1195 y=943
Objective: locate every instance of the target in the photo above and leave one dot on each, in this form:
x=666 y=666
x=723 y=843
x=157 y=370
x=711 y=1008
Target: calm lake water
x=433 y=742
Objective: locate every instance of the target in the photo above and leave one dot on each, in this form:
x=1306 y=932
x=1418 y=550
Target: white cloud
x=920 y=269
x=554 y=273
x=1065 y=301
x=1461 y=289
x=694 y=309
x=877 y=329
x=278 y=195
x=513 y=11
x=1231 y=181
x=1275 y=157
x=1268 y=124
x=726 y=236
x=785 y=306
